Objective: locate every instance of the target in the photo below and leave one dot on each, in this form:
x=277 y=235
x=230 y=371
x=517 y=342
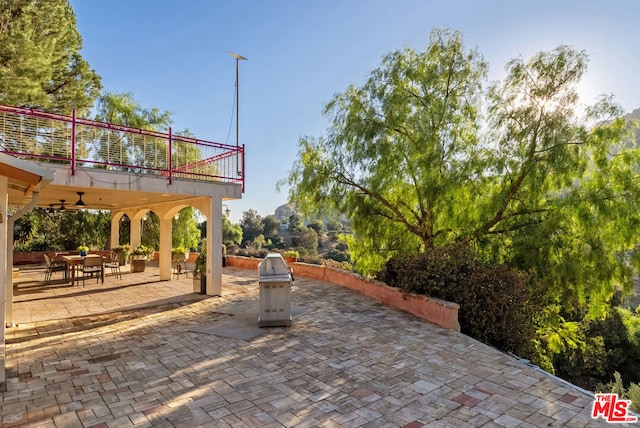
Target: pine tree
x=40 y=62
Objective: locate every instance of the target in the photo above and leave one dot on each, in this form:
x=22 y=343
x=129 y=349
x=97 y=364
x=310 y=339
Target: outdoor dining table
x=74 y=261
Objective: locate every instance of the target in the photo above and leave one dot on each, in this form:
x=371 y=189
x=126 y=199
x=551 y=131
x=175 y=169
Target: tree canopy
x=426 y=153
x=40 y=62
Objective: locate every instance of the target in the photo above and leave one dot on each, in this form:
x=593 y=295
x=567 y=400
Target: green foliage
x=589 y=351
x=270 y=226
x=498 y=305
x=252 y=252
x=634 y=395
x=142 y=252
x=231 y=233
x=123 y=109
x=179 y=254
x=150 y=232
x=338 y=265
x=251 y=225
x=259 y=241
x=39 y=231
x=200 y=266
x=317 y=226
x=133 y=151
x=337 y=255
x=537 y=187
x=616 y=386
x=334 y=225
x=291 y=253
x=400 y=150
x=40 y=62
x=122 y=253
x=185 y=232
x=295 y=223
x=307 y=239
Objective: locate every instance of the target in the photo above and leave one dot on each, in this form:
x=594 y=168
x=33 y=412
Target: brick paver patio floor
x=139 y=352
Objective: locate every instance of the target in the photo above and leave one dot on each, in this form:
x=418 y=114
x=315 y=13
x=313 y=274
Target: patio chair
x=92 y=265
x=53 y=266
x=114 y=264
x=180 y=268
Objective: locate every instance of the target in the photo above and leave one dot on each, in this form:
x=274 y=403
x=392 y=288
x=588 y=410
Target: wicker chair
x=114 y=264
x=53 y=266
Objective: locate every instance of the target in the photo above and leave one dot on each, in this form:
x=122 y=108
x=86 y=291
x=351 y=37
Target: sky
x=175 y=56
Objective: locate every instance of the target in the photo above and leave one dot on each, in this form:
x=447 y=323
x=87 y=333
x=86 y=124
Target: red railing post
x=170 y=160
x=243 y=169
x=73 y=142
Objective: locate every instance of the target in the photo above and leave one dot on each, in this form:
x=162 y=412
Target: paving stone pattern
x=138 y=352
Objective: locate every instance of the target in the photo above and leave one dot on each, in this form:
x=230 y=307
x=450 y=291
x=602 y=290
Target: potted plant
x=179 y=255
x=224 y=255
x=122 y=254
x=290 y=256
x=199 y=274
x=83 y=250
x=139 y=256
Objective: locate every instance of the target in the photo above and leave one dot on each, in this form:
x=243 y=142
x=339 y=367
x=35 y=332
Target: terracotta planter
x=291 y=259
x=138 y=265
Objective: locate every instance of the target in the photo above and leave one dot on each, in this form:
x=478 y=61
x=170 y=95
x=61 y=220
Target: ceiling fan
x=52 y=207
x=60 y=207
x=80 y=202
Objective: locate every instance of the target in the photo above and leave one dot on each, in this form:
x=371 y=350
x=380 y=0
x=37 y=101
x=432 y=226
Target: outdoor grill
x=275 y=292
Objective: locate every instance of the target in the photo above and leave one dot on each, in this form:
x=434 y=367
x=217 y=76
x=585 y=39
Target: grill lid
x=273 y=265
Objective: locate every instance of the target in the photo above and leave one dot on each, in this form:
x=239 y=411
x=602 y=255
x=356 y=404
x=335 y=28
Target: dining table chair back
x=114 y=264
x=92 y=265
x=51 y=267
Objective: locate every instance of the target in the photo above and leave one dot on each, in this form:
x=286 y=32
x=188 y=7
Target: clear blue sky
x=173 y=55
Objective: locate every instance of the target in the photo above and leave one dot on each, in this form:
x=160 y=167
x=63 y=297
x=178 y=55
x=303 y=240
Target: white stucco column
x=135 y=230
x=214 y=248
x=114 y=236
x=166 y=231
x=4 y=271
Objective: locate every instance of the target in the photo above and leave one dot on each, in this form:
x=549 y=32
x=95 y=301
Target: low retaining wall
x=37 y=257
x=439 y=312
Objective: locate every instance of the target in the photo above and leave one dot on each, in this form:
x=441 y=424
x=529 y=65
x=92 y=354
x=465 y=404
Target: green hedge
x=498 y=305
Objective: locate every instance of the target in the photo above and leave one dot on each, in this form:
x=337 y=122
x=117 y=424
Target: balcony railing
x=48 y=137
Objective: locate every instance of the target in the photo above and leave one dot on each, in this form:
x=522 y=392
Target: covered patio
x=59 y=162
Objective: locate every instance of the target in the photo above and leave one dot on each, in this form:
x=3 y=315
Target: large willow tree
x=425 y=153
x=40 y=62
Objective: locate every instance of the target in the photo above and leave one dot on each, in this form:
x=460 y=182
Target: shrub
x=252 y=252
x=122 y=252
x=337 y=255
x=291 y=254
x=604 y=347
x=340 y=265
x=312 y=260
x=498 y=305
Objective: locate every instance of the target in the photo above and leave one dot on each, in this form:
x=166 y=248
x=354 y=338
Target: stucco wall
x=37 y=257
x=439 y=312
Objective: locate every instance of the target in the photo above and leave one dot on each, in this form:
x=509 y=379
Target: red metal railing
x=49 y=137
